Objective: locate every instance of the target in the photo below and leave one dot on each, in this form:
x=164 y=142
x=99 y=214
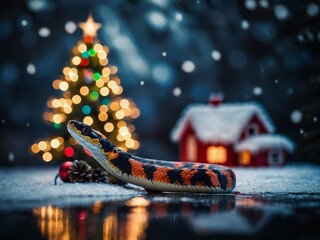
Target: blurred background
x=169 y=53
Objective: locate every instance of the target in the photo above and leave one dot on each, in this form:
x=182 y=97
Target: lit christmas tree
x=90 y=93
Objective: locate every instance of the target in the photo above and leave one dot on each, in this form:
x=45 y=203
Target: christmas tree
x=91 y=93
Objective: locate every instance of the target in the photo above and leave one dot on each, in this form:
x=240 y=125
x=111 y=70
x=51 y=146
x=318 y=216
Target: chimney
x=215 y=99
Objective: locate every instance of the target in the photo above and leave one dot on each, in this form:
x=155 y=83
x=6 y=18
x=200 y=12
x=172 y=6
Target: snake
x=153 y=175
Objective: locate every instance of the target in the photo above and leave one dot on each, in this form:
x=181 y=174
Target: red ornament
x=64 y=171
x=69 y=152
x=88 y=39
x=84 y=62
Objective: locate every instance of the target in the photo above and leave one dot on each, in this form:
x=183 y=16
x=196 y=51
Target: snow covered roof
x=266 y=141
x=222 y=123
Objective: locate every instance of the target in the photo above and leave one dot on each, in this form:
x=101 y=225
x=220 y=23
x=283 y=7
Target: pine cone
x=80 y=172
x=100 y=176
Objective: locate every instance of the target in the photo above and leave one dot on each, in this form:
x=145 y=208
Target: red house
x=232 y=134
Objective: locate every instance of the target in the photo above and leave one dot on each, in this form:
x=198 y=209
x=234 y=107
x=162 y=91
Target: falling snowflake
x=216 y=55
x=276 y=81
x=250 y=4
x=315 y=119
x=31 y=68
x=164 y=54
x=28 y=124
x=179 y=16
x=290 y=91
x=24 y=22
x=188 y=66
x=3 y=121
x=264 y=3
x=44 y=32
x=245 y=25
x=70 y=27
x=312 y=10
x=257 y=91
x=281 y=12
x=11 y=156
x=157 y=20
x=176 y=91
x=141 y=83
x=296 y=116
x=301 y=131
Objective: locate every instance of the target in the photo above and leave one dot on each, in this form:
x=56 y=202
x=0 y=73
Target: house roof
x=259 y=142
x=222 y=123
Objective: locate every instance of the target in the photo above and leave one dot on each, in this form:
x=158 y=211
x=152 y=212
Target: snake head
x=92 y=140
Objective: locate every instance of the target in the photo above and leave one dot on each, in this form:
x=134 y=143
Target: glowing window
x=191 y=149
x=245 y=158
x=216 y=155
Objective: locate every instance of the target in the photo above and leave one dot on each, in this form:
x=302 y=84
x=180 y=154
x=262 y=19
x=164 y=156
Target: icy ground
x=28 y=187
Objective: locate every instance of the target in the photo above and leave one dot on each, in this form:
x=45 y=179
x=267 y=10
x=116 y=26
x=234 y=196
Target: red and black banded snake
x=153 y=175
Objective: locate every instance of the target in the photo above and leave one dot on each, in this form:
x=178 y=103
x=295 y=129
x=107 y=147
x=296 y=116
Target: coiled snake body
x=153 y=175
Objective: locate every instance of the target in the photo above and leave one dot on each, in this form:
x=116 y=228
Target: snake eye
x=85 y=130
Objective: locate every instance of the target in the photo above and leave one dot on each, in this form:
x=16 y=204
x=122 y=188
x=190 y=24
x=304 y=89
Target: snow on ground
x=289 y=179
x=23 y=187
x=27 y=187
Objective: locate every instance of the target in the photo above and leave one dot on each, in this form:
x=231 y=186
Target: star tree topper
x=90 y=27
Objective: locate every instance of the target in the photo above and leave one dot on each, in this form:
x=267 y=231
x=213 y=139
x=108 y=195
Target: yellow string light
x=117 y=90
x=106 y=71
x=55 y=143
x=88 y=120
x=42 y=145
x=129 y=143
x=103 y=108
x=66 y=70
x=98 y=47
x=76 y=60
x=121 y=124
x=103 y=116
x=63 y=86
x=57 y=118
x=100 y=83
x=67 y=109
x=135 y=113
x=82 y=48
x=124 y=103
x=84 y=90
x=103 y=62
x=47 y=157
x=104 y=91
x=108 y=127
x=56 y=83
x=119 y=114
x=112 y=84
x=76 y=99
x=114 y=69
x=35 y=148
x=114 y=106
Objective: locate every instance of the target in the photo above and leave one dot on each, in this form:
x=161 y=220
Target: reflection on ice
x=176 y=216
x=127 y=219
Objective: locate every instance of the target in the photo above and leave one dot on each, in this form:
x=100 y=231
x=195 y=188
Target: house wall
x=183 y=143
x=254 y=120
x=261 y=158
x=202 y=148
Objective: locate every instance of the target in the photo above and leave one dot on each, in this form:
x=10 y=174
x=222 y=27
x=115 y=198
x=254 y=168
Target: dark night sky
x=264 y=51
